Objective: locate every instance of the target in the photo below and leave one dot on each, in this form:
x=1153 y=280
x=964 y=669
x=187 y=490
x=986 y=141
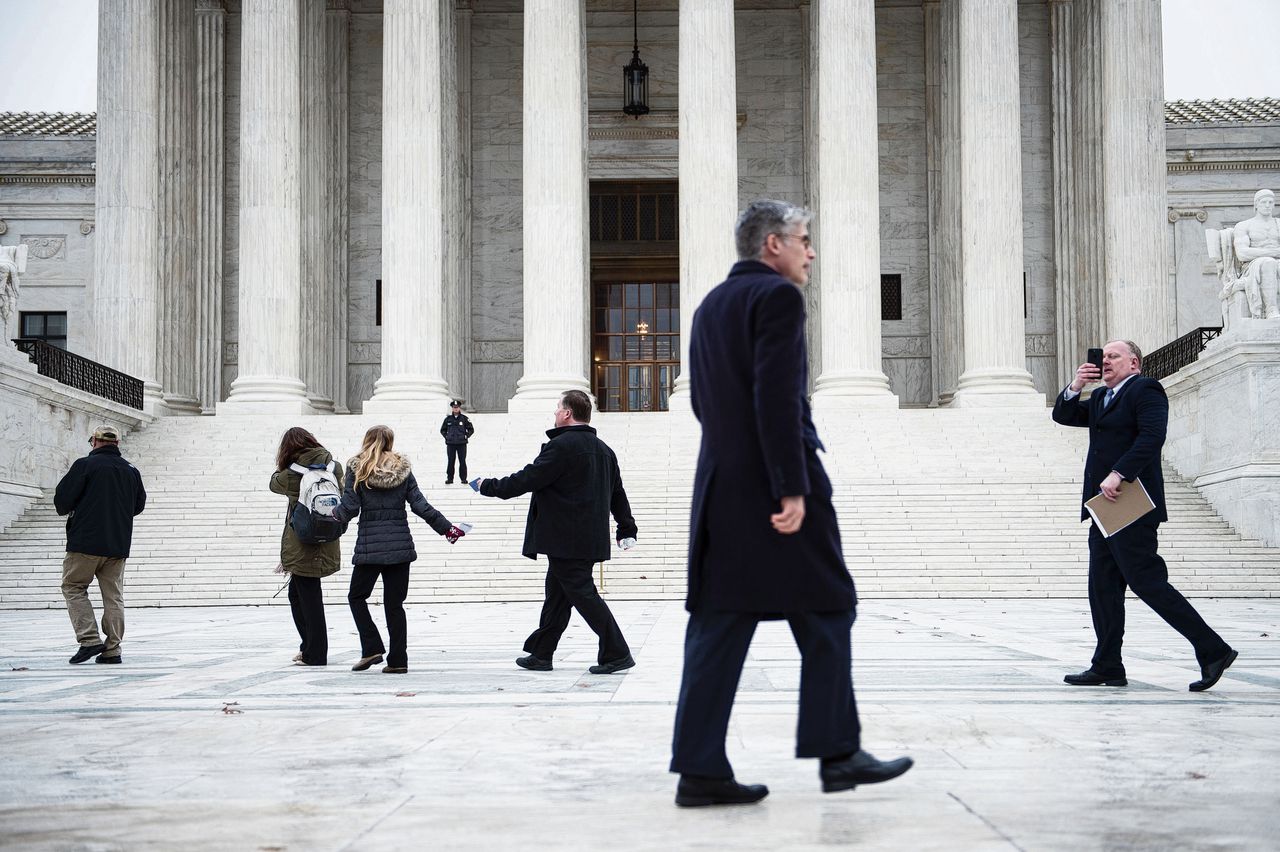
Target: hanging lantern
x=635 y=75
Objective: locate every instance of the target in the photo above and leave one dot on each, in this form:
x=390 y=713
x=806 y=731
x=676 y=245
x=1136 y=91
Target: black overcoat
x=102 y=492
x=1126 y=437
x=748 y=369
x=576 y=485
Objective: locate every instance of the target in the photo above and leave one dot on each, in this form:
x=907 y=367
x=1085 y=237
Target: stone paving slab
x=469 y=752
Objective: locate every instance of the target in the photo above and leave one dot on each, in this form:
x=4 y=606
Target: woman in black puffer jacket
x=379 y=484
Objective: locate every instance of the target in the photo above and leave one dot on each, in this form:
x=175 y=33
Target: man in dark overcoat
x=763 y=537
x=576 y=486
x=1127 y=425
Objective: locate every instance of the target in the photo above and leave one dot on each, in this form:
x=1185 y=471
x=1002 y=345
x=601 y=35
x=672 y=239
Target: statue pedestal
x=1224 y=418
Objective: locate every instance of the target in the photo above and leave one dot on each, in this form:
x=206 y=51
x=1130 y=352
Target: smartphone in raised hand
x=1095 y=358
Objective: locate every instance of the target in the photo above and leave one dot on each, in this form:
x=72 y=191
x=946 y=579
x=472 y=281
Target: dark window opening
x=377 y=302
x=891 y=297
x=49 y=326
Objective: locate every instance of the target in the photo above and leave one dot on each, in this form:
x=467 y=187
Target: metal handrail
x=1172 y=357
x=80 y=373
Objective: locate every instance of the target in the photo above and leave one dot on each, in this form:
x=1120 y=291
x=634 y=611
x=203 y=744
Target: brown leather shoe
x=365 y=662
x=395 y=670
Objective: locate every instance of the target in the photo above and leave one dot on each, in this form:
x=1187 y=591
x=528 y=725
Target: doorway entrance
x=635 y=294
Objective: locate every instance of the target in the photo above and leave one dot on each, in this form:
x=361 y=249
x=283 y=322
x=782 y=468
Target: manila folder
x=1131 y=503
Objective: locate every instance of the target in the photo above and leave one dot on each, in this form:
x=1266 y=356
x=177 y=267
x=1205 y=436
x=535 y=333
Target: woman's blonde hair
x=375 y=453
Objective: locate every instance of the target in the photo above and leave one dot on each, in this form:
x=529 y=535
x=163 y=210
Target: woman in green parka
x=305 y=563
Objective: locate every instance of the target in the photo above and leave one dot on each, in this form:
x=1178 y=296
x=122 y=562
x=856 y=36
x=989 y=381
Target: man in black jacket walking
x=456 y=431
x=576 y=486
x=102 y=493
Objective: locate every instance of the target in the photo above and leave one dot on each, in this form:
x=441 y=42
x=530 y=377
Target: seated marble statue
x=1257 y=249
x=13 y=262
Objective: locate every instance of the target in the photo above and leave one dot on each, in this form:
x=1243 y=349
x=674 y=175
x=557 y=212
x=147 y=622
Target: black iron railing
x=81 y=373
x=1172 y=357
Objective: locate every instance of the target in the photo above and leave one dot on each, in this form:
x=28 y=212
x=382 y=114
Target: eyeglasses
x=803 y=238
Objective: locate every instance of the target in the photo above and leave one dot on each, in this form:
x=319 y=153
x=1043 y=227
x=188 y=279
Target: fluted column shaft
x=270 y=238
x=555 y=204
x=946 y=316
x=412 y=208
x=337 y=63
x=126 y=261
x=317 y=307
x=1065 y=236
x=991 y=208
x=849 y=207
x=177 y=238
x=211 y=33
x=708 y=161
x=1134 y=182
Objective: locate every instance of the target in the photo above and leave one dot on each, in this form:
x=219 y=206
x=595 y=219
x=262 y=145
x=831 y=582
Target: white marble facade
x=477 y=320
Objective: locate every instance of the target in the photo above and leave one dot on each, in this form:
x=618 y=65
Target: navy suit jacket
x=748 y=370
x=1126 y=437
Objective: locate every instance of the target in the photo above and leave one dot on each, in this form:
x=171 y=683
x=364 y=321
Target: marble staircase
x=933 y=503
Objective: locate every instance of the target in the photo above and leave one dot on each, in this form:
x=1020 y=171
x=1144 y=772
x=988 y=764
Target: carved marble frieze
x=1041 y=345
x=46 y=246
x=497 y=351
x=916 y=346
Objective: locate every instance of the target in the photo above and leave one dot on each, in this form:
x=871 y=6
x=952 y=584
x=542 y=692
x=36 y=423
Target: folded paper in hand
x=1130 y=504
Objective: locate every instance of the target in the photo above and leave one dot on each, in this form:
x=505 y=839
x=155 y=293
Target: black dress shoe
x=696 y=792
x=1210 y=674
x=860 y=768
x=533 y=664
x=1089 y=677
x=85 y=652
x=615 y=666
x=103 y=658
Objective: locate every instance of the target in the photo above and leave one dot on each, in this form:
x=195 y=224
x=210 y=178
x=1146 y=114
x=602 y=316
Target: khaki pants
x=78 y=571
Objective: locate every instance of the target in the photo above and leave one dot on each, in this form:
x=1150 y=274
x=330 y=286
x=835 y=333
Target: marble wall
x=1214 y=169
x=45 y=426
x=46 y=202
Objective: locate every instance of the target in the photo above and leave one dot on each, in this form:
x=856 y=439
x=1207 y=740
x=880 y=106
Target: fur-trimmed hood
x=394 y=471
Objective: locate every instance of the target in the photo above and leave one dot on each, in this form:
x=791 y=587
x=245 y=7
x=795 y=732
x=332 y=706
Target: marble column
x=1134 y=180
x=211 y=33
x=126 y=260
x=177 y=236
x=942 y=94
x=555 y=205
x=849 y=207
x=1065 y=240
x=1085 y=250
x=337 y=63
x=270 y=238
x=708 y=161
x=412 y=212
x=317 y=308
x=995 y=371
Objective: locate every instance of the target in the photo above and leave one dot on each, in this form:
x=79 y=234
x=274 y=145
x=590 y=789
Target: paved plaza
x=208 y=738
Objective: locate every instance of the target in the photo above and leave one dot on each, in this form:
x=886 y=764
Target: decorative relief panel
x=86 y=226
x=4 y=227
x=1041 y=345
x=364 y=352
x=46 y=246
x=905 y=347
x=497 y=351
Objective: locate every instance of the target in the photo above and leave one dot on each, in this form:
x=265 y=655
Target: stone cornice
x=658 y=124
x=1230 y=166
x=36 y=180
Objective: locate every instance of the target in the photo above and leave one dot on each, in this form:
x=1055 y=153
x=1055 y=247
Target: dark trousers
x=569 y=586
x=1129 y=558
x=307 y=604
x=395 y=588
x=459 y=452
x=715 y=648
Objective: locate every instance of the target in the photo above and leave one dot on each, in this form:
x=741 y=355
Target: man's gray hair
x=762 y=218
x=1132 y=347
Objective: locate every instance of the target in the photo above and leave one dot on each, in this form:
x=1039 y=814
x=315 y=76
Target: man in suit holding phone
x=1127 y=427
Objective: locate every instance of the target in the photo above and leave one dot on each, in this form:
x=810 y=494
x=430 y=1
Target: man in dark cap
x=101 y=493
x=456 y=430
